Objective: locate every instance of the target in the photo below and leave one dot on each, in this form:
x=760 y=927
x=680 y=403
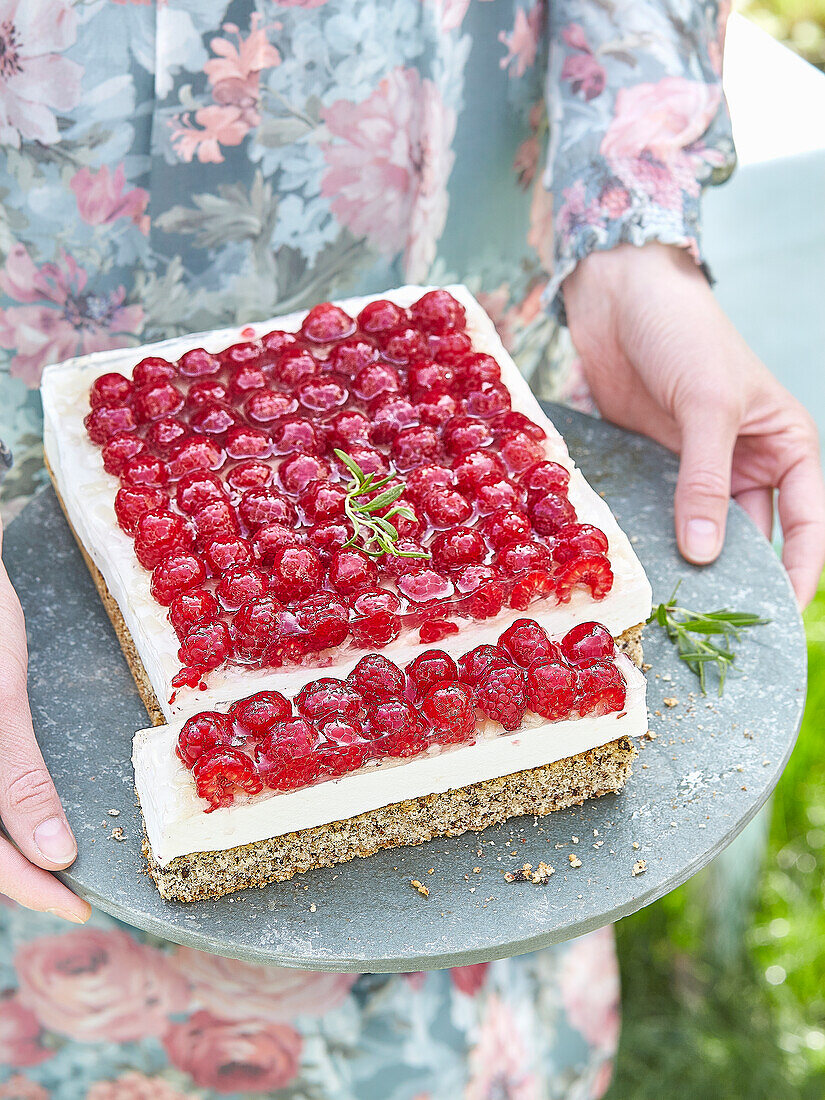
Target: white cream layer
x=88 y=493
x=177 y=825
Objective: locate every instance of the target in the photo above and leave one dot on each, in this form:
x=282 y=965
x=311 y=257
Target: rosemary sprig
x=690 y=632
x=367 y=495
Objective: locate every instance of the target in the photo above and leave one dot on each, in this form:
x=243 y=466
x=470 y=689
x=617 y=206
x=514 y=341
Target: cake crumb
x=639 y=867
x=670 y=701
x=574 y=860
x=526 y=874
x=651 y=735
x=636 y=844
x=113 y=813
x=431 y=871
x=118 y=834
x=420 y=887
x=476 y=870
x=313 y=907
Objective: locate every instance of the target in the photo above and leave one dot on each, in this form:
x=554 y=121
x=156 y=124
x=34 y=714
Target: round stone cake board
x=711 y=766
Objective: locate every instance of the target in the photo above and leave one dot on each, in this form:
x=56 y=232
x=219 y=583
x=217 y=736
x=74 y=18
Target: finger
x=802 y=515
x=37 y=889
x=703 y=487
x=758 y=503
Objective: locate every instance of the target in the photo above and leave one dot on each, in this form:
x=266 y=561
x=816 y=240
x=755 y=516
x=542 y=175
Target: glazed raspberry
x=214 y=419
x=110 y=390
x=408 y=526
x=198 y=452
x=350 y=570
x=517 y=422
x=466 y=433
x=206 y=647
x=246 y=354
x=397 y=729
x=370 y=461
x=424 y=586
x=437 y=312
x=527 y=642
x=144 y=470
x=348 y=428
x=209 y=392
x=351 y=355
x=410 y=557
x=546 y=477
x=505 y=527
x=294 y=366
x=326 y=322
x=435 y=412
x=244 y=442
x=428 y=379
x=591 y=571
x=296 y=573
x=577 y=539
x=380 y=316
x=165 y=434
x=322 y=395
x=587 y=642
x=376 y=629
x=344 y=748
x=497 y=495
x=376 y=677
x=450 y=348
x=329 y=698
x=447 y=507
x=326 y=538
x=600 y=688
x=259 y=713
x=275 y=342
x=436 y=630
x=488 y=401
x=198 y=363
x=389 y=415
x=254 y=627
x=501 y=694
x=120 y=450
x=370 y=600
x=419 y=483
x=551 y=689
x=550 y=513
x=458 y=547
x=402 y=344
x=219 y=773
x=240 y=585
x=449 y=710
x=484 y=589
x=296 y=472
x=227 y=553
x=202 y=733
x=216 y=520
x=429 y=669
x=474 y=666
x=174 y=575
x=519 y=451
x=476 y=370
x=159 y=534
x=266 y=406
x=324 y=620
x=272 y=538
x=520 y=557
x=196 y=490
x=188 y=609
x=475 y=468
x=131 y=504
x=537 y=584
x=259 y=507
x=104 y=422
x=153 y=402
x=295 y=433
x=151 y=371
x=323 y=502
x=249 y=474
x=287 y=758
x=376 y=380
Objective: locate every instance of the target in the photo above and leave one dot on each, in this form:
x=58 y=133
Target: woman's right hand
x=30 y=809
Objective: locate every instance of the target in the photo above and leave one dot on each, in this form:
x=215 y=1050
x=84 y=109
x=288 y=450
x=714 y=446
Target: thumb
x=703 y=487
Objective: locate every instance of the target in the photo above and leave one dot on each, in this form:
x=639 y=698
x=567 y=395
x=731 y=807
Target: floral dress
x=190 y=164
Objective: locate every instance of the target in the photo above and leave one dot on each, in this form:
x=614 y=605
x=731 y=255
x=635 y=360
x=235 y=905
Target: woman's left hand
x=661 y=358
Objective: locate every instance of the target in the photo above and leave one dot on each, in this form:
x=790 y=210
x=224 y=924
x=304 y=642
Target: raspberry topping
x=501 y=694
x=296 y=572
x=257 y=714
x=397 y=728
x=527 y=642
x=176 y=574
x=329 y=698
x=205 y=646
x=219 y=773
x=551 y=689
x=437 y=312
x=449 y=709
x=120 y=450
x=600 y=688
x=474 y=666
x=375 y=677
x=153 y=402
x=326 y=322
x=150 y=371
x=159 y=534
x=198 y=363
x=105 y=421
x=110 y=389
x=202 y=733
x=587 y=642
x=190 y=608
x=430 y=669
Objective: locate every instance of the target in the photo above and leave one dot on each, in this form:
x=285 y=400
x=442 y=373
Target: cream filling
x=176 y=824
x=88 y=494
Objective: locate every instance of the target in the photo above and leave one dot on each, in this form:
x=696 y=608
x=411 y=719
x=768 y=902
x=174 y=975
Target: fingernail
x=66 y=914
x=701 y=539
x=55 y=841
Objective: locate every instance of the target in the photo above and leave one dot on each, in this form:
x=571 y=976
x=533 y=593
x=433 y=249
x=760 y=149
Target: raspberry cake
x=268 y=511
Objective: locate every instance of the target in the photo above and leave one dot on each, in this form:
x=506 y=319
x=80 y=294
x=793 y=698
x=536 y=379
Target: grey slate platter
x=712 y=765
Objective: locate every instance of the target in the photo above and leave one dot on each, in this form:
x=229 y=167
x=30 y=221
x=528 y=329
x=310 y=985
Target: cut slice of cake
x=256 y=504
x=273 y=786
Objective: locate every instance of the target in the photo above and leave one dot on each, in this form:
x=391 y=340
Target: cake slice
x=270 y=787
x=226 y=490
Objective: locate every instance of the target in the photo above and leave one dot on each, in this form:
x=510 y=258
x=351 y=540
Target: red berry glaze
x=202 y=733
x=527 y=642
x=587 y=642
x=376 y=678
x=449 y=710
x=219 y=773
x=501 y=694
x=551 y=689
x=429 y=669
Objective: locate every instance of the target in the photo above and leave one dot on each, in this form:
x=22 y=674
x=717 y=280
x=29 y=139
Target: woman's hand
x=29 y=807
x=661 y=358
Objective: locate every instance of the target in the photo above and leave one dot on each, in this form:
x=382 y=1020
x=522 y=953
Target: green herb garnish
x=690 y=632
x=367 y=495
